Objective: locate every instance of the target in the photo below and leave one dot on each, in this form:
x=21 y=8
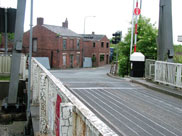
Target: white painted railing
x=61 y=113
x=5 y=65
x=168 y=73
x=149 y=68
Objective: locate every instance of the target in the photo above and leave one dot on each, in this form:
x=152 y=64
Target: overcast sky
x=111 y=15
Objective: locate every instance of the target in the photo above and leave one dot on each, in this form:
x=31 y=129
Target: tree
x=146 y=44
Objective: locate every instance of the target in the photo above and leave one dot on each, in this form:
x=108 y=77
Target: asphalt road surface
x=129 y=109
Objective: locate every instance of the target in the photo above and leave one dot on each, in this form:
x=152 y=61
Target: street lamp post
x=85 y=22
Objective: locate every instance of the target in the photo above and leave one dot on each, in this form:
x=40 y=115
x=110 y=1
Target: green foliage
x=146 y=44
x=178 y=53
x=123 y=66
x=4 y=77
x=11 y=37
x=178 y=48
x=147 y=35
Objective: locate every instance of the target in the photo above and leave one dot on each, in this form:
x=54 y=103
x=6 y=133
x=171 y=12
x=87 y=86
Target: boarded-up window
x=78 y=59
x=64 y=60
x=72 y=44
x=34 y=44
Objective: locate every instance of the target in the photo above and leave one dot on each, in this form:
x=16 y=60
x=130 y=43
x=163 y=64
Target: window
x=64 y=60
x=78 y=59
x=64 y=44
x=34 y=46
x=102 y=44
x=102 y=57
x=107 y=45
x=78 y=44
x=93 y=44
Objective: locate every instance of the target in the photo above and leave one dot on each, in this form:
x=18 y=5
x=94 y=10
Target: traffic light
x=116 y=37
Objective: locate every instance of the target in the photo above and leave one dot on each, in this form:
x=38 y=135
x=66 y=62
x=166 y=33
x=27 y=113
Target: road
x=129 y=109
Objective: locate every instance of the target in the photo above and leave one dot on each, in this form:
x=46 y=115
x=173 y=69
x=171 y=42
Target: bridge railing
x=168 y=73
x=61 y=113
x=149 y=68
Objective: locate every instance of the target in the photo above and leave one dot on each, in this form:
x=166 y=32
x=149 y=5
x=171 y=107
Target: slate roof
x=92 y=37
x=62 y=31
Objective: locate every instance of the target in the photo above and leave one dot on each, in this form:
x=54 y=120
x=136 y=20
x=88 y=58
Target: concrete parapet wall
x=61 y=113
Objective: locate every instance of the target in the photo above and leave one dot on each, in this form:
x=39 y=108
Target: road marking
x=95 y=88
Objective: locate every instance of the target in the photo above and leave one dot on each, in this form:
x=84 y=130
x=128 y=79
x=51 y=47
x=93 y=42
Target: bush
x=123 y=66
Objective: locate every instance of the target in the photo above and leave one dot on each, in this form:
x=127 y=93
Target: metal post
x=131 y=45
x=16 y=57
x=30 y=57
x=6 y=32
x=117 y=52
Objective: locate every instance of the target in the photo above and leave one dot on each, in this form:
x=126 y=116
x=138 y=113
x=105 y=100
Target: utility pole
x=30 y=61
x=165 y=33
x=85 y=22
x=131 y=45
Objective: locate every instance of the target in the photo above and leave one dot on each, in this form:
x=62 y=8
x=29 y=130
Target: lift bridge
x=165 y=45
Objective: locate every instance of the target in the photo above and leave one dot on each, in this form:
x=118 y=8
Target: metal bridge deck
x=129 y=109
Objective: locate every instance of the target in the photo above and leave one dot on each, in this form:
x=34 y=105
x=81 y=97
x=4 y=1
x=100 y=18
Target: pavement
x=166 y=89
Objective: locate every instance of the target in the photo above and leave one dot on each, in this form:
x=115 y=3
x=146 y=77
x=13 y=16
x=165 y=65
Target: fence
x=61 y=113
x=5 y=65
x=168 y=73
x=149 y=69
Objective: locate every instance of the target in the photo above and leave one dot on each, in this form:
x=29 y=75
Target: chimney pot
x=65 y=24
x=40 y=21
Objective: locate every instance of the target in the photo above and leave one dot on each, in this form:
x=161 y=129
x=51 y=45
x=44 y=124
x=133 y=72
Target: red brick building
x=60 y=44
x=97 y=47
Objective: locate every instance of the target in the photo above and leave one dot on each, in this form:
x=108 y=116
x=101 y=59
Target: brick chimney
x=40 y=21
x=65 y=24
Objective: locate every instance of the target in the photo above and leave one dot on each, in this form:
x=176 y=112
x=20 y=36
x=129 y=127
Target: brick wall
x=89 y=51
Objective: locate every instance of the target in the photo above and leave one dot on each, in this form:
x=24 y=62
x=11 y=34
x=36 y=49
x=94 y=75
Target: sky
x=110 y=15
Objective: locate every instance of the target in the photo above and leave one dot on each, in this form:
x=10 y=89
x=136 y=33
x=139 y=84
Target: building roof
x=62 y=31
x=92 y=37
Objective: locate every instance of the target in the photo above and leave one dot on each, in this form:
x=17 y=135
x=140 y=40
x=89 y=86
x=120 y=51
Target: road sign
x=137 y=11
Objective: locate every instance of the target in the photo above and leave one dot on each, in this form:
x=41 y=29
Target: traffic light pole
x=136 y=25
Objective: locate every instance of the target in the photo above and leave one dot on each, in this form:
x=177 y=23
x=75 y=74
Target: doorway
x=71 y=61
